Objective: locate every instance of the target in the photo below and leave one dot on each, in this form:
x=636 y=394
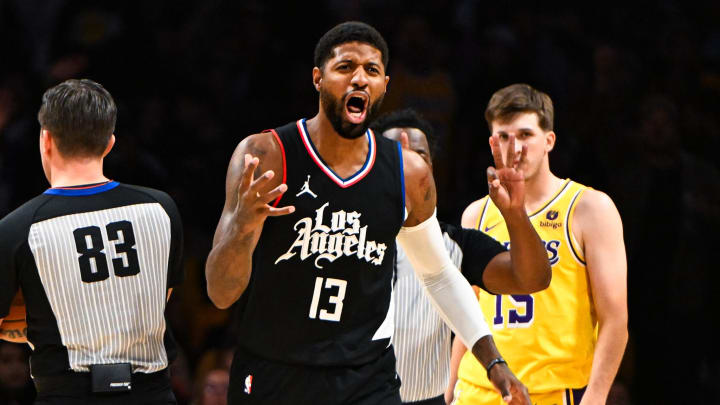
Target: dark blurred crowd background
x=637 y=105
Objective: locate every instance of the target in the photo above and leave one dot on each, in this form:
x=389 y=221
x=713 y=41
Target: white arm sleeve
x=448 y=290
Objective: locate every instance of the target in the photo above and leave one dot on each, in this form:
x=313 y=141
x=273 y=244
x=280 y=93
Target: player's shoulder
x=411 y=158
x=265 y=138
x=418 y=175
x=596 y=210
x=477 y=204
x=472 y=212
x=595 y=200
x=415 y=169
x=259 y=145
x=263 y=145
x=147 y=191
x=148 y=194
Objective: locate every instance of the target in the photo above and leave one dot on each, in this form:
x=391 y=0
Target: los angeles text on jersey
x=344 y=237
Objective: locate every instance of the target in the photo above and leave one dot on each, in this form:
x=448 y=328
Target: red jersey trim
x=284 y=163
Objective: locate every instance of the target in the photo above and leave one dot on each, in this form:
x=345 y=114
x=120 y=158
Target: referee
x=96 y=261
x=422 y=339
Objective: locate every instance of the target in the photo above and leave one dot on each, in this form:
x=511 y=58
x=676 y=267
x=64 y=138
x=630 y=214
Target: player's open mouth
x=356 y=106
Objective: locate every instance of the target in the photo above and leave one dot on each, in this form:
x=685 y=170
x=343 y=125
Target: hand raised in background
x=506 y=181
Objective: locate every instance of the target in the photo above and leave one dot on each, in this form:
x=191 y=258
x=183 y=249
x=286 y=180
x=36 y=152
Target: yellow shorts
x=470 y=394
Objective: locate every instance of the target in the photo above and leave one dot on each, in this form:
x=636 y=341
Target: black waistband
x=76 y=383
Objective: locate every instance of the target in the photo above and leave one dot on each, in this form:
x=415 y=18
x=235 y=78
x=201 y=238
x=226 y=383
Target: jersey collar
x=82 y=190
x=315 y=156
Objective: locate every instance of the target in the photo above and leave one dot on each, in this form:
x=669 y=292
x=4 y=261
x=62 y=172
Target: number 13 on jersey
x=336 y=300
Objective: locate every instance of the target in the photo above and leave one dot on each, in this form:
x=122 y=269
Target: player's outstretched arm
x=525 y=269
x=601 y=234
x=447 y=289
x=251 y=187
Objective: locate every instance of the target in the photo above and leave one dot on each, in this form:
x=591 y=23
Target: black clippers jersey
x=94 y=265
x=321 y=286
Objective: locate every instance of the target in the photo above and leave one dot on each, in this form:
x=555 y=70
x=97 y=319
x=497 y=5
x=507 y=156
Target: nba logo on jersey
x=248 y=384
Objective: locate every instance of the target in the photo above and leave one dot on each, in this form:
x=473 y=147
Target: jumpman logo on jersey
x=306 y=189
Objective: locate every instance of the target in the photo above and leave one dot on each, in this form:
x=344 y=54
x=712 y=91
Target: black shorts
x=74 y=389
x=258 y=381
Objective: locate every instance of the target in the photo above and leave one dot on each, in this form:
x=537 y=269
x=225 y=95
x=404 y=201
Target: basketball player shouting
x=314 y=276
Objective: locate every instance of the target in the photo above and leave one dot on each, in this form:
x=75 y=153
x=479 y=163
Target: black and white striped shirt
x=422 y=340
x=94 y=264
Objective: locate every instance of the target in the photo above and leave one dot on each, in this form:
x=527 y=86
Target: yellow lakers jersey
x=548 y=338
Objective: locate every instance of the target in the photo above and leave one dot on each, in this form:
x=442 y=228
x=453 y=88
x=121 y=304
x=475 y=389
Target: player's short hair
x=350 y=31
x=520 y=98
x=80 y=115
x=407 y=118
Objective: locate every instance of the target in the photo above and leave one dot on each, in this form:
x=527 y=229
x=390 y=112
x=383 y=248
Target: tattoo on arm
x=257 y=150
x=428 y=183
x=12 y=332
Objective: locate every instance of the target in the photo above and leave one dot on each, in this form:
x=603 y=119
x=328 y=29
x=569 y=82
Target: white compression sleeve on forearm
x=448 y=290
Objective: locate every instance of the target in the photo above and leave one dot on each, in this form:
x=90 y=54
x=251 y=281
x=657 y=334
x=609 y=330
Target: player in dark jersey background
x=306 y=242
x=96 y=261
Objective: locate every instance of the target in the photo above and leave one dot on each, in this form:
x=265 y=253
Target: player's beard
x=335 y=111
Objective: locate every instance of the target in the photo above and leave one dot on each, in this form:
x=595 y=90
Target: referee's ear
x=111 y=143
x=45 y=140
